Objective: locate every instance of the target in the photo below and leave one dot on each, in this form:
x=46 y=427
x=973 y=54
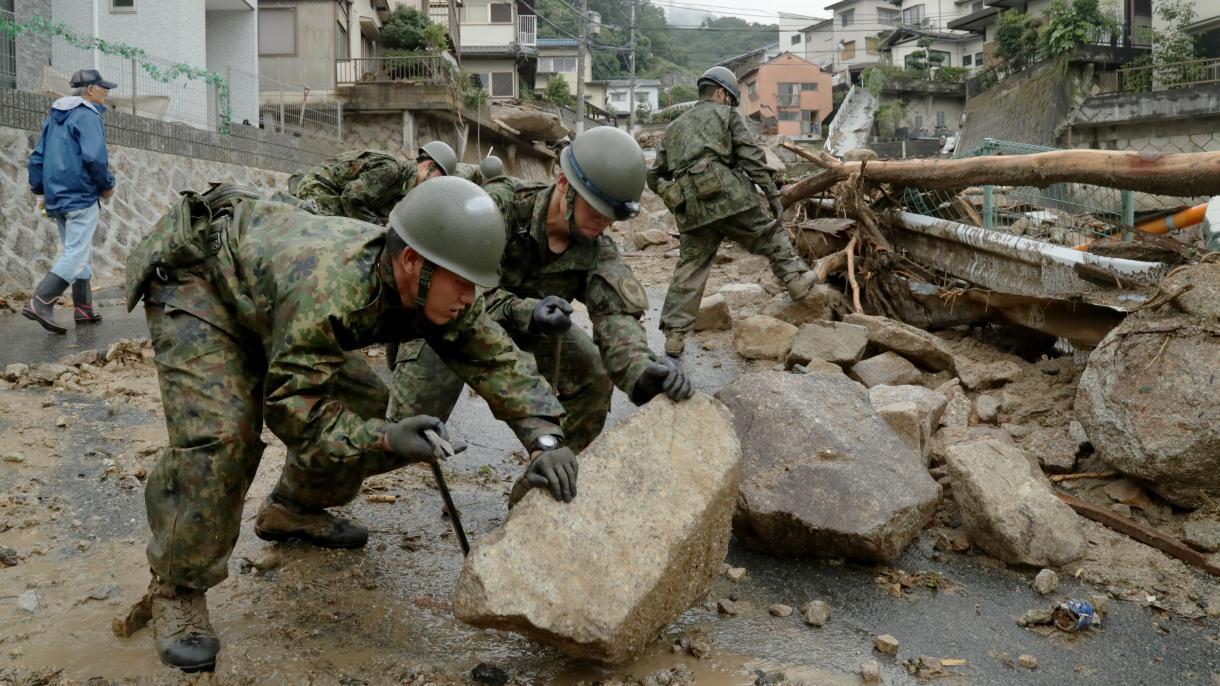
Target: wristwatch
x=545 y=442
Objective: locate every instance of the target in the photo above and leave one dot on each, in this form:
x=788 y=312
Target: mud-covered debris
x=1036 y=617
x=261 y=561
x=987 y=408
x=1128 y=493
x=780 y=610
x=14 y=458
x=9 y=556
x=104 y=592
x=816 y=612
x=1028 y=661
x=137 y=617
x=898 y=582
x=953 y=539
x=924 y=667
x=886 y=644
x=1202 y=534
x=14 y=372
x=727 y=607
x=735 y=573
x=821 y=303
x=49 y=372
x=29 y=602
x=62 y=422
x=1046 y=582
x=870 y=672
x=981 y=376
x=484 y=673
x=762 y=678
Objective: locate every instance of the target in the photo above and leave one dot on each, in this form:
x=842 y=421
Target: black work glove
x=555 y=469
x=552 y=315
x=665 y=375
x=406 y=439
x=777 y=207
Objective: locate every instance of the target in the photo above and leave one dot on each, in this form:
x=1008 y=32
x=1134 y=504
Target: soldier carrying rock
x=706 y=170
x=257 y=312
x=557 y=252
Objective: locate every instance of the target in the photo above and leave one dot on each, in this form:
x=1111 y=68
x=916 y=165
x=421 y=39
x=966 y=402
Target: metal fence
x=1159 y=77
x=8 y=54
x=282 y=107
x=1067 y=214
x=423 y=69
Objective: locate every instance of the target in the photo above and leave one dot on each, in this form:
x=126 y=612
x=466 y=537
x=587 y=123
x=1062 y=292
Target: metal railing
x=527 y=29
x=1160 y=77
x=283 y=107
x=8 y=54
x=422 y=69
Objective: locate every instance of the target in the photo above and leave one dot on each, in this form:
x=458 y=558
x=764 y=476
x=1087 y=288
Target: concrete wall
x=313 y=65
x=1178 y=120
x=232 y=44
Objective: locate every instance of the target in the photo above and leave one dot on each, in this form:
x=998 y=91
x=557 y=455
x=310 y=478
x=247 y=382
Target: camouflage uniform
x=589 y=368
x=361 y=184
x=259 y=315
x=705 y=171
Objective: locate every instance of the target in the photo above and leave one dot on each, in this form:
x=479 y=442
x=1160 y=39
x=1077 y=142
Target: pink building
x=788 y=96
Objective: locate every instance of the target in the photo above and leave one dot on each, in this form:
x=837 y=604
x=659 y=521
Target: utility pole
x=631 y=81
x=580 y=67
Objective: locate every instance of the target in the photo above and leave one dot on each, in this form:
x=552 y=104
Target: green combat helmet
x=606 y=167
x=442 y=154
x=722 y=77
x=455 y=225
x=491 y=167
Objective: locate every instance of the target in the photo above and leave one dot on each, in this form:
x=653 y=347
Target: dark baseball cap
x=90 y=77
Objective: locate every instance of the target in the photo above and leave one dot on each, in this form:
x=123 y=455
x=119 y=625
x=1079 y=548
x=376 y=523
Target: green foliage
x=951 y=74
x=1016 y=36
x=889 y=117
x=874 y=80
x=643 y=111
x=1071 y=23
x=558 y=91
x=40 y=26
x=681 y=93
x=1173 y=43
x=411 y=30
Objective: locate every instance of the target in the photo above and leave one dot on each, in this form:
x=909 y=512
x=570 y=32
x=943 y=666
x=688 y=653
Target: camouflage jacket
x=707 y=166
x=361 y=184
x=593 y=273
x=306 y=289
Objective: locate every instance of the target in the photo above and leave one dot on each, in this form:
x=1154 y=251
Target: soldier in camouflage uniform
x=705 y=171
x=490 y=169
x=367 y=184
x=556 y=252
x=257 y=313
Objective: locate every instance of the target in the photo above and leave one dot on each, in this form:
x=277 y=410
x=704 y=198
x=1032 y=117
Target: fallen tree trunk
x=1181 y=174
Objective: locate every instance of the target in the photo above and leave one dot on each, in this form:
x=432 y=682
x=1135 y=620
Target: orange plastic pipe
x=1180 y=220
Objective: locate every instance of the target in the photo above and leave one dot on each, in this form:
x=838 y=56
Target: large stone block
x=886 y=369
x=763 y=338
x=714 y=314
x=824 y=475
x=600 y=577
x=1008 y=508
x=916 y=345
x=821 y=303
x=913 y=412
x=842 y=344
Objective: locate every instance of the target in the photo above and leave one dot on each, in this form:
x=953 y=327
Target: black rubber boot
x=280 y=520
x=82 y=303
x=41 y=307
x=181 y=628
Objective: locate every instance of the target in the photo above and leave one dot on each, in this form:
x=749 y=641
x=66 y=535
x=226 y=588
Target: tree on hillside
x=409 y=30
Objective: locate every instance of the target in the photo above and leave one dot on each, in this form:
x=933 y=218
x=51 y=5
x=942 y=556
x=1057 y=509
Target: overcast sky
x=764 y=11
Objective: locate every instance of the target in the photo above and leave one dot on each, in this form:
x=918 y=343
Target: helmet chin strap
x=425 y=282
x=574 y=232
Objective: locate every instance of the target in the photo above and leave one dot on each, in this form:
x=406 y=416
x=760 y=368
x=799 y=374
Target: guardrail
x=423 y=69
x=1160 y=77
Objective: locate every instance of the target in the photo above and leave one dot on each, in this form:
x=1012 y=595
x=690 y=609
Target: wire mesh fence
x=8 y=54
x=1069 y=214
x=282 y=107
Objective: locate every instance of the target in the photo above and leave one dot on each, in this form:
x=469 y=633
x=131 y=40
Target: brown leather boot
x=675 y=343
x=800 y=285
x=181 y=629
x=280 y=520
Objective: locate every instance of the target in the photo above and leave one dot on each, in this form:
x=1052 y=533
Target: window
x=556 y=65
x=967 y=61
x=805 y=87
x=796 y=39
x=870 y=45
x=789 y=115
x=342 y=50
x=788 y=95
x=978 y=59
x=277 y=31
x=849 y=50
x=1143 y=8
x=810 y=122
x=913 y=16
x=752 y=89
x=919 y=123
x=940 y=120
x=888 y=17
x=502 y=85
x=846 y=17
x=501 y=13
x=122 y=5
x=618 y=97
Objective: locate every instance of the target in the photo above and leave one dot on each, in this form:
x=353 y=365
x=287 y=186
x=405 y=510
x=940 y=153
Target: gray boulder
x=886 y=369
x=913 y=412
x=1007 y=506
x=600 y=577
x=714 y=314
x=916 y=345
x=763 y=338
x=821 y=303
x=824 y=475
x=842 y=344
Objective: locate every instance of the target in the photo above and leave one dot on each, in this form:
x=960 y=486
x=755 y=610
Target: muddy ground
x=73 y=530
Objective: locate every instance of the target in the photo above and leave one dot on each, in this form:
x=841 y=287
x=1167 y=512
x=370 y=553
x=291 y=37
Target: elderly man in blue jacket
x=70 y=168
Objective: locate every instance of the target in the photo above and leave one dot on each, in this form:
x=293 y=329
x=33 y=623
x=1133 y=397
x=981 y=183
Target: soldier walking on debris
x=705 y=171
x=257 y=311
x=557 y=252
x=367 y=184
x=70 y=168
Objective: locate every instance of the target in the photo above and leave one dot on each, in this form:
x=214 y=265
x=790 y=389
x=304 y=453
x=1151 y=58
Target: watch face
x=548 y=442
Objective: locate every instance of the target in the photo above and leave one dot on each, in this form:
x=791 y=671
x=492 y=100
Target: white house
x=647 y=95
x=499 y=45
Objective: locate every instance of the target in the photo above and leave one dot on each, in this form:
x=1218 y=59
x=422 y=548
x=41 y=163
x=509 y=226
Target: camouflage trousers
x=422 y=384
x=752 y=230
x=212 y=391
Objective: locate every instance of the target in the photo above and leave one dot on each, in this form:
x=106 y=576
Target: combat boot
x=799 y=286
x=41 y=307
x=82 y=303
x=675 y=343
x=281 y=520
x=181 y=629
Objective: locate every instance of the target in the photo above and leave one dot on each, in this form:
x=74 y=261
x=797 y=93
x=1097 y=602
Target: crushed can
x=1075 y=615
